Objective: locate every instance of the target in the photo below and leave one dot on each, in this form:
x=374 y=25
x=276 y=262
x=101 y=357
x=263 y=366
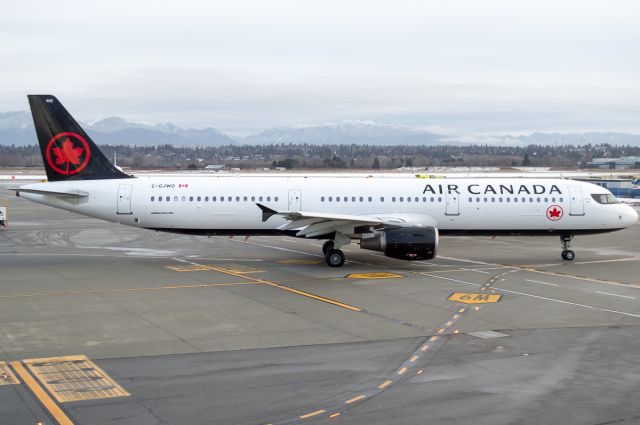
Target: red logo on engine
x=67 y=153
x=554 y=212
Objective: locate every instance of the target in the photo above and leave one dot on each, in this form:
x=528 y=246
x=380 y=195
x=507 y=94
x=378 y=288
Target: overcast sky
x=243 y=66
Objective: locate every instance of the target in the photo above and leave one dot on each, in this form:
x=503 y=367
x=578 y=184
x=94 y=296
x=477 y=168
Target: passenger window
x=546 y=199
x=190 y=198
x=500 y=199
x=230 y=198
x=353 y=199
x=493 y=199
x=330 y=198
x=237 y=199
x=508 y=199
x=159 y=198
x=553 y=199
x=268 y=198
x=439 y=198
x=153 y=198
x=382 y=199
x=175 y=199
x=561 y=200
x=322 y=199
x=260 y=199
x=433 y=199
x=275 y=199
x=478 y=199
x=538 y=199
x=253 y=199
x=361 y=199
x=246 y=199
x=199 y=198
x=470 y=199
x=416 y=199
x=370 y=199
x=408 y=198
x=402 y=199
x=393 y=199
x=337 y=199
x=345 y=199
x=184 y=199
x=424 y=199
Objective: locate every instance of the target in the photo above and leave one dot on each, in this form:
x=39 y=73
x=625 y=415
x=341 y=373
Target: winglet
x=267 y=212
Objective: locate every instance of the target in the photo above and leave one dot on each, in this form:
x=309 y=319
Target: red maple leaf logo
x=554 y=213
x=67 y=154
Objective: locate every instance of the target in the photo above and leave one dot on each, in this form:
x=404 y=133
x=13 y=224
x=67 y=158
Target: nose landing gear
x=567 y=254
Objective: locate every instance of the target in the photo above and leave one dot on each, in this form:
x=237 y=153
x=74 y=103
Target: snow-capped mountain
x=345 y=132
x=16 y=128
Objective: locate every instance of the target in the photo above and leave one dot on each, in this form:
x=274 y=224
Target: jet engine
x=405 y=243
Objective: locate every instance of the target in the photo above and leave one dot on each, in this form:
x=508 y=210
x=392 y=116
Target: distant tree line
x=302 y=156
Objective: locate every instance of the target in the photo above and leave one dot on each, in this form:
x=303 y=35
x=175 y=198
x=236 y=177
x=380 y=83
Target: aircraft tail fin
x=67 y=151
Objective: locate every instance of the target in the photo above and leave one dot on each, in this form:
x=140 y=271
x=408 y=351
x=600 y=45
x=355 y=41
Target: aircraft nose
x=629 y=216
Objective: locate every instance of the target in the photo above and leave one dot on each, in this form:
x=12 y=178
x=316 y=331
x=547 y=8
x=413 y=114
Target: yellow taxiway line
x=48 y=403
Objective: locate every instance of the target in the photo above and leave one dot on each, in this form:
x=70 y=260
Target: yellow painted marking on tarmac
x=440 y=331
x=300 y=262
x=420 y=371
x=236 y=268
x=402 y=371
x=105 y=291
x=385 y=384
x=455 y=316
x=333 y=415
x=461 y=310
x=413 y=359
x=74 y=378
x=374 y=275
x=287 y=288
x=449 y=323
x=424 y=348
x=189 y=268
x=316 y=413
x=353 y=400
x=433 y=338
x=6 y=375
x=316 y=297
x=54 y=410
x=470 y=298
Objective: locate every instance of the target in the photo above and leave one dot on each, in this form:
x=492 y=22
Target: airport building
x=614 y=163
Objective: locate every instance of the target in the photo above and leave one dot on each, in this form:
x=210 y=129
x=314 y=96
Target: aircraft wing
x=313 y=224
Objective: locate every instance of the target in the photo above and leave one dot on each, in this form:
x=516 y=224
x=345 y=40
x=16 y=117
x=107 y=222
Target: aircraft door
x=577 y=202
x=124 y=199
x=295 y=200
x=452 y=203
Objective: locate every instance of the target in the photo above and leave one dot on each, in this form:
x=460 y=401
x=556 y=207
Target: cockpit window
x=604 y=198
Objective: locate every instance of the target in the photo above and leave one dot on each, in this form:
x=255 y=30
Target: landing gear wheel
x=567 y=254
x=326 y=247
x=334 y=258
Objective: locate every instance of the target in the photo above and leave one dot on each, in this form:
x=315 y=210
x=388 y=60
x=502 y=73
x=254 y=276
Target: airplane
x=401 y=217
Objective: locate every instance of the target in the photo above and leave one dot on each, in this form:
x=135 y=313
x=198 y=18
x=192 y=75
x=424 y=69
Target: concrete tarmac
x=197 y=330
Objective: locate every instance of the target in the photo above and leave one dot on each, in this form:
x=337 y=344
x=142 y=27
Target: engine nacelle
x=405 y=243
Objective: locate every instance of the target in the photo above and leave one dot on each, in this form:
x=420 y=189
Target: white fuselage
x=227 y=204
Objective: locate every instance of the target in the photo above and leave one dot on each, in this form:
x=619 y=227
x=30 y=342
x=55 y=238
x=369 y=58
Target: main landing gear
x=333 y=256
x=567 y=254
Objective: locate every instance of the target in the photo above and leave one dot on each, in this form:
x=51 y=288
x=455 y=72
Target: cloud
x=248 y=65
